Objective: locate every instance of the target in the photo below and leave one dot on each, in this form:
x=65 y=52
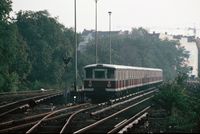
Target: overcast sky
x=125 y=13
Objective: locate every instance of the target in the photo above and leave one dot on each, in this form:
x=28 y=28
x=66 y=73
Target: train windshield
x=100 y=74
x=88 y=73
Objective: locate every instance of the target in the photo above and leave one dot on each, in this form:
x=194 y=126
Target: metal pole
x=96 y=30
x=110 y=33
x=75 y=36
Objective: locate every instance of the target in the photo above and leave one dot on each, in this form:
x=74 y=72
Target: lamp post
x=110 y=33
x=96 y=31
x=75 y=36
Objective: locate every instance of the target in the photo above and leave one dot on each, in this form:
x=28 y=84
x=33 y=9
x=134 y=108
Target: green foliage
x=36 y=85
x=14 y=66
x=13 y=55
x=48 y=41
x=5 y=8
x=171 y=96
x=194 y=97
x=181 y=104
x=32 y=49
x=13 y=82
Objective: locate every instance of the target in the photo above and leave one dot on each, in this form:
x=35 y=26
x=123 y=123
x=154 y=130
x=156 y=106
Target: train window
x=138 y=72
x=118 y=75
x=88 y=73
x=110 y=73
x=132 y=74
x=99 y=74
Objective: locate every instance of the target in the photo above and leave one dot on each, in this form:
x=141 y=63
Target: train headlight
x=90 y=84
x=109 y=84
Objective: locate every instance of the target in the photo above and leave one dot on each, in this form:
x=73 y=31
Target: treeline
x=32 y=49
x=36 y=51
x=139 y=48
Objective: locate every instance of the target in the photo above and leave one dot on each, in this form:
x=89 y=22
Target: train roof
x=121 y=67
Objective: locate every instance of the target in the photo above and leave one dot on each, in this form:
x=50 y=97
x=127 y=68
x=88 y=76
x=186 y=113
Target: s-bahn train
x=104 y=81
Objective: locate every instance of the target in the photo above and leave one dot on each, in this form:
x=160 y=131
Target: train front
x=99 y=82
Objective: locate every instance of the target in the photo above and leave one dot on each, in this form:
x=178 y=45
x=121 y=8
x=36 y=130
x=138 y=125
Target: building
x=190 y=45
x=192 y=61
x=88 y=35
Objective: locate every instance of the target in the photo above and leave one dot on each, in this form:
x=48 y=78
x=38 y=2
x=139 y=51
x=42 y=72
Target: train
x=105 y=81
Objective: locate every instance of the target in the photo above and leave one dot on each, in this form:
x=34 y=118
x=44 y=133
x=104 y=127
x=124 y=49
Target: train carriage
x=107 y=80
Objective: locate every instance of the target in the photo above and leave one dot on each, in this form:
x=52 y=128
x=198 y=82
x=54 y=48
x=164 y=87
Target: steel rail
x=136 y=93
x=83 y=130
x=73 y=115
x=11 y=107
x=52 y=113
x=132 y=123
x=121 y=125
x=21 y=102
x=120 y=103
x=21 y=126
x=26 y=119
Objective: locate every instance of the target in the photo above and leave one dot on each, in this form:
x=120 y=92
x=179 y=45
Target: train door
x=99 y=78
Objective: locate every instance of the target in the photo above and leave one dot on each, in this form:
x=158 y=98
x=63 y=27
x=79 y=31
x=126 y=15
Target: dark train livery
x=108 y=80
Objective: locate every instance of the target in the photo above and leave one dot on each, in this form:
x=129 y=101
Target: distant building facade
x=190 y=45
x=192 y=62
x=88 y=35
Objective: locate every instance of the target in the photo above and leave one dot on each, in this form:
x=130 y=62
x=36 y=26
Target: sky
x=126 y=14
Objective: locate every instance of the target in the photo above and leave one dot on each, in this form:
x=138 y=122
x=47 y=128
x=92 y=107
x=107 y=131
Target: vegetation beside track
x=180 y=101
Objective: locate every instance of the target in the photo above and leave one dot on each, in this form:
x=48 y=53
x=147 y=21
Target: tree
x=48 y=41
x=12 y=52
x=5 y=8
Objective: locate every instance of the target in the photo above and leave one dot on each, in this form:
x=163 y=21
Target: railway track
x=37 y=122
x=110 y=117
x=127 y=124
x=15 y=96
x=58 y=123
x=26 y=92
x=55 y=120
x=104 y=119
x=21 y=105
